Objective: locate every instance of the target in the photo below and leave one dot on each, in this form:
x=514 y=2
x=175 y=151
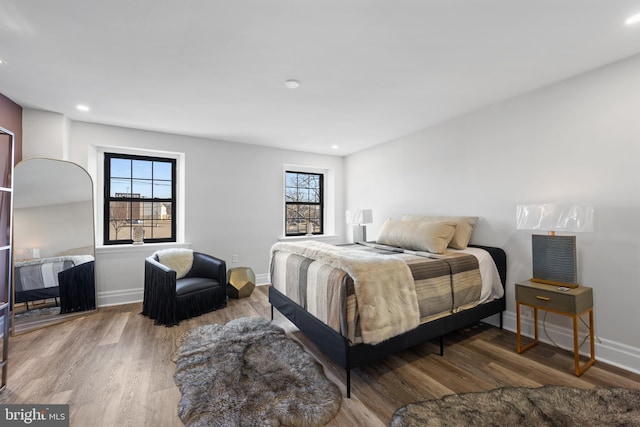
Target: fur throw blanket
x=178 y=259
x=384 y=287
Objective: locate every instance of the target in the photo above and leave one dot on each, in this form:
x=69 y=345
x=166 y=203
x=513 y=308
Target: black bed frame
x=337 y=347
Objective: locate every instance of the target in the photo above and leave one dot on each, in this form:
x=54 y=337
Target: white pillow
x=464 y=227
x=417 y=235
x=178 y=259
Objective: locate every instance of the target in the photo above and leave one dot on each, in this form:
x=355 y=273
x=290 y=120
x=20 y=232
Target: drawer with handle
x=573 y=301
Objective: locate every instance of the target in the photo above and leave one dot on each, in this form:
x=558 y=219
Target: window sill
x=314 y=237
x=145 y=247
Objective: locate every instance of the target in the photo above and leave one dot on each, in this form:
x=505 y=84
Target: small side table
x=242 y=281
x=574 y=303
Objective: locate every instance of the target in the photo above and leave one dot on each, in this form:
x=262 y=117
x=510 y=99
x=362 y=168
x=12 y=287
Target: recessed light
x=82 y=107
x=335 y=146
x=291 y=84
x=633 y=19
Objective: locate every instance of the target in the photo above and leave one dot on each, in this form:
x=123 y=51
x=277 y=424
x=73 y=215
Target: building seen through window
x=140 y=191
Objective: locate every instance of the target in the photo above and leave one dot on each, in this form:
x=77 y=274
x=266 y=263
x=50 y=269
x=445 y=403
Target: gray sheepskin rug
x=520 y=406
x=249 y=373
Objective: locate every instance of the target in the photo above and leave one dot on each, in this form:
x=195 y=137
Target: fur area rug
x=37 y=312
x=249 y=373
x=512 y=406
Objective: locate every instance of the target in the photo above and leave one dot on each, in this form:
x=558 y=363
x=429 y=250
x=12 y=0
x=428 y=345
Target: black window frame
x=320 y=204
x=108 y=199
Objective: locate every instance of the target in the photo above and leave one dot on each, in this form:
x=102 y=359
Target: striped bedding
x=446 y=284
x=39 y=274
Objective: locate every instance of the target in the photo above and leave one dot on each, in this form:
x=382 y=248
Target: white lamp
x=358 y=218
x=554 y=257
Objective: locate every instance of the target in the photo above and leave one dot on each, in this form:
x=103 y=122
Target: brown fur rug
x=519 y=406
x=249 y=373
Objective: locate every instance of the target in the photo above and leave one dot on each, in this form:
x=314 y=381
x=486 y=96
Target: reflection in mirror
x=53 y=243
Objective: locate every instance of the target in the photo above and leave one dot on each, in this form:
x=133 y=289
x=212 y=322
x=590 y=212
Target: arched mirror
x=53 y=243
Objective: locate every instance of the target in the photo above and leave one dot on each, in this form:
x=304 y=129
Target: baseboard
x=607 y=351
x=129 y=296
x=262 y=279
x=126 y=296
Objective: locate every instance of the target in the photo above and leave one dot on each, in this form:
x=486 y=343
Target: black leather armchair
x=168 y=300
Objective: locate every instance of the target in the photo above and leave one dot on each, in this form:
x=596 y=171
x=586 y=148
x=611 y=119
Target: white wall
x=54 y=229
x=574 y=141
x=234 y=197
x=45 y=134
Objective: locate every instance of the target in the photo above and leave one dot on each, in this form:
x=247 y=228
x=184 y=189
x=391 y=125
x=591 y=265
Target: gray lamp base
x=359 y=233
x=554 y=260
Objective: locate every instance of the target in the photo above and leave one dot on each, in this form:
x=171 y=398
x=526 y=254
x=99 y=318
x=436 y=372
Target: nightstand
x=573 y=302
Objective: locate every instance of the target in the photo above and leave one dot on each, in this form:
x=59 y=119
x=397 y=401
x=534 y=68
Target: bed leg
x=501 y=320
x=347 y=367
x=271 y=311
x=441 y=345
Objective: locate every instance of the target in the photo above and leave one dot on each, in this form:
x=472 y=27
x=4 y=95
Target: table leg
x=576 y=350
x=518 y=336
x=535 y=324
x=592 y=336
x=519 y=345
x=579 y=370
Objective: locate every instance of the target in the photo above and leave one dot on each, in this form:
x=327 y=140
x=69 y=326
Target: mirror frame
x=31 y=325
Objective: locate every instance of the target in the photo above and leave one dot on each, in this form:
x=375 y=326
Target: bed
x=319 y=288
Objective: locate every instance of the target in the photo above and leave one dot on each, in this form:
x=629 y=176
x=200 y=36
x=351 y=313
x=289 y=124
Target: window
x=140 y=191
x=303 y=203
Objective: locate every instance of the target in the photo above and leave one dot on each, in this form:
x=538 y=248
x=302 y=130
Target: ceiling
x=370 y=70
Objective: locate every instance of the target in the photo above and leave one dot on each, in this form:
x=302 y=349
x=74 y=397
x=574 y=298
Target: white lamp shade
x=359 y=216
x=571 y=217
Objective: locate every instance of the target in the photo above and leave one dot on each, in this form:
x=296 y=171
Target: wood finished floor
x=114 y=368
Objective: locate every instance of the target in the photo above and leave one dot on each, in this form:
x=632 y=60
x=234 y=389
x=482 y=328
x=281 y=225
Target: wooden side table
x=572 y=302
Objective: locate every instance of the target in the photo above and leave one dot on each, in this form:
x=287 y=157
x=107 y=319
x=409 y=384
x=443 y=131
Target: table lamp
x=553 y=256
x=358 y=218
